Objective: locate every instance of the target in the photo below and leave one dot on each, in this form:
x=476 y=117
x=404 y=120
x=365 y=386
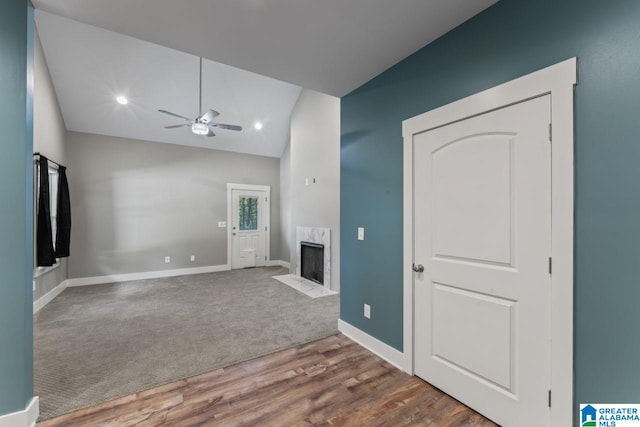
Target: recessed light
x=122 y=100
x=258 y=125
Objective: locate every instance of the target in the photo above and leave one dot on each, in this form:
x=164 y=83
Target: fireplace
x=312 y=261
x=320 y=241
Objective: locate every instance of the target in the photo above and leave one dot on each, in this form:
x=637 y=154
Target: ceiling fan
x=203 y=124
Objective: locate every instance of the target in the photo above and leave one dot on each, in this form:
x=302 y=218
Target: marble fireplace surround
x=320 y=236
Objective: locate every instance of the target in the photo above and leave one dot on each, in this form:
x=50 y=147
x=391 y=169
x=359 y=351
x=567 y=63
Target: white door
x=482 y=227
x=248 y=228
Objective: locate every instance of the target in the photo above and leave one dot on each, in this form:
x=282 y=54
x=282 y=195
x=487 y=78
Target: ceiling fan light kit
x=203 y=124
x=199 y=128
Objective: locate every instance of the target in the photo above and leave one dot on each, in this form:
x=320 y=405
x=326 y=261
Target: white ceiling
x=148 y=50
x=332 y=46
x=90 y=66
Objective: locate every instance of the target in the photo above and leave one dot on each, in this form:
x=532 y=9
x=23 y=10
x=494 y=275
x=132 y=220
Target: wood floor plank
x=254 y=395
x=267 y=409
x=329 y=382
x=258 y=405
x=253 y=371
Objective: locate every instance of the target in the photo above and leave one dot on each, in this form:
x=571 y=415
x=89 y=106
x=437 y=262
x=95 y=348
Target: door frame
x=267 y=218
x=557 y=80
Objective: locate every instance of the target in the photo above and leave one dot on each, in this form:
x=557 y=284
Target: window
x=53 y=210
x=53 y=200
x=248 y=213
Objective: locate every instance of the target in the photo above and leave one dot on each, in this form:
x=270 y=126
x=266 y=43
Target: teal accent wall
x=508 y=40
x=16 y=184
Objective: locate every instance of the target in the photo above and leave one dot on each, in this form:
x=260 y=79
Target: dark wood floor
x=330 y=382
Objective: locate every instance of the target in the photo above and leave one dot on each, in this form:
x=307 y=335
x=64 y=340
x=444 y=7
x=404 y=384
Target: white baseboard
x=114 y=278
x=278 y=262
x=25 y=418
x=374 y=345
x=49 y=296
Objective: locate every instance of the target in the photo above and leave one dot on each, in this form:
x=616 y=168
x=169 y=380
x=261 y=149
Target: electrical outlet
x=193 y=258
x=367 y=311
x=167 y=259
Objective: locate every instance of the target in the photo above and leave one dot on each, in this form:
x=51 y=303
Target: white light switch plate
x=367 y=311
x=222 y=224
x=360 y=233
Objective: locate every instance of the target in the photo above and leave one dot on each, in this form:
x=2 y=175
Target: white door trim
x=557 y=80
x=267 y=219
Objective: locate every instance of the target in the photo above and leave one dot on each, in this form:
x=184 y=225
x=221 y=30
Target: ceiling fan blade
x=208 y=116
x=211 y=132
x=176 y=115
x=177 y=126
x=223 y=126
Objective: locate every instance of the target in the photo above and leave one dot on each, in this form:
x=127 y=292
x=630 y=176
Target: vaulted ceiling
x=148 y=50
x=90 y=67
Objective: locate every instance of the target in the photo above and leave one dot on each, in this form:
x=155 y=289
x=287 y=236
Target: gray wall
x=135 y=202
x=46 y=282
x=49 y=131
x=49 y=135
x=315 y=153
x=285 y=204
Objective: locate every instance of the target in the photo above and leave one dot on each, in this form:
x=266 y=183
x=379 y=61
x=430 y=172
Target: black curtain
x=63 y=233
x=44 y=244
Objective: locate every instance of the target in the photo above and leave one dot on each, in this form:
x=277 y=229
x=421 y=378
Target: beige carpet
x=96 y=343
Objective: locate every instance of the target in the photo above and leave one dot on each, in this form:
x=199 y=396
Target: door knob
x=418 y=268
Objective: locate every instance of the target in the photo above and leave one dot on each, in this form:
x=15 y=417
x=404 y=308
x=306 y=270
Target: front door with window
x=248 y=228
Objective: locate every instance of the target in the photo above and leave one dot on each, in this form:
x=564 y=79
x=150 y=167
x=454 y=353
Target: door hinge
x=549 y=398
x=550 y=264
x=550 y=132
x=266 y=199
x=265 y=228
x=265 y=257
